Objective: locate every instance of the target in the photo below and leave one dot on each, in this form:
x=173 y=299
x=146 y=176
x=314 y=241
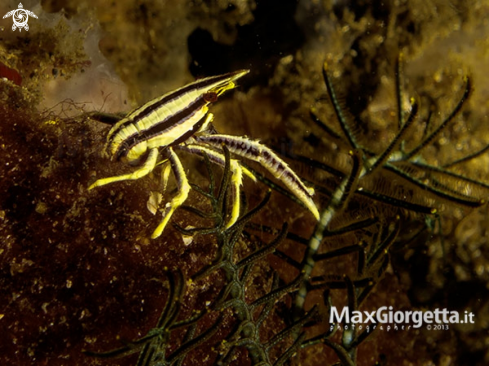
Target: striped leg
x=180 y=198
x=145 y=169
x=255 y=151
x=236 y=181
x=165 y=174
x=237 y=174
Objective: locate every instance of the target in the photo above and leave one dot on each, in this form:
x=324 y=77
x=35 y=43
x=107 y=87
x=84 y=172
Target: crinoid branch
x=421 y=190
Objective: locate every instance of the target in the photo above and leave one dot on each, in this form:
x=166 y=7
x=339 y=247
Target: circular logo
x=20 y=18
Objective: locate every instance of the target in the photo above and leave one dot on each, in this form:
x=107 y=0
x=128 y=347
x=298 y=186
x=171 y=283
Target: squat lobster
x=180 y=120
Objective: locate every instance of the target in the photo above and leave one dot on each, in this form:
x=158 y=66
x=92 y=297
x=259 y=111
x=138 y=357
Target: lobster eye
x=210 y=97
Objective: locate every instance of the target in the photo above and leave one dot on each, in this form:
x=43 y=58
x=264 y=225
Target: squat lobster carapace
x=180 y=120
